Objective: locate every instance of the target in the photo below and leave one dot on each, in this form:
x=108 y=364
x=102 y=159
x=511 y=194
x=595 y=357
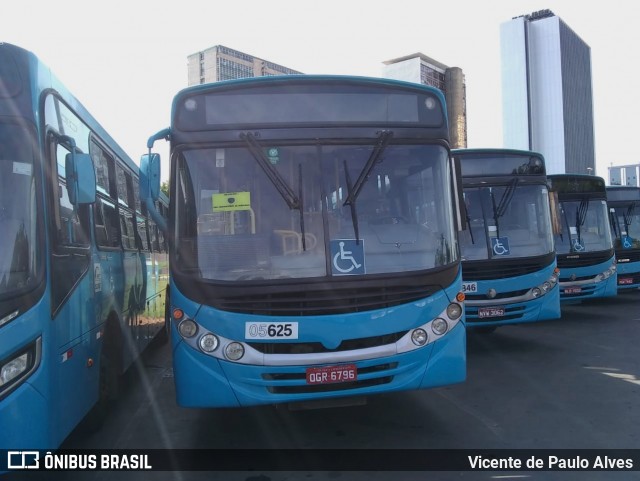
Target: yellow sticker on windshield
x=231 y=201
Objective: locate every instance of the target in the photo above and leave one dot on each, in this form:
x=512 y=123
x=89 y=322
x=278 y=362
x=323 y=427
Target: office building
x=625 y=175
x=547 y=100
x=222 y=63
x=419 y=68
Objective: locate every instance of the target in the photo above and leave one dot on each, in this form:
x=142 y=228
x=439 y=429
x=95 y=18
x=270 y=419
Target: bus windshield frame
x=232 y=223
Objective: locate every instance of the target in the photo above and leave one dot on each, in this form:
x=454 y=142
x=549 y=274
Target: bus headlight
x=234 y=351
x=20 y=365
x=14 y=368
x=419 y=337
x=187 y=328
x=536 y=292
x=454 y=311
x=439 y=326
x=208 y=343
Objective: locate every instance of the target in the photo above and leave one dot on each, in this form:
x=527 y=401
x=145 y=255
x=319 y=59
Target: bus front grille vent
x=316 y=347
x=324 y=302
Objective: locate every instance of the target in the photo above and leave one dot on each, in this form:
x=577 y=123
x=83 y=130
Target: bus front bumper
x=204 y=381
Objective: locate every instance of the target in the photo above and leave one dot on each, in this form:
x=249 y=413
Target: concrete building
x=547 y=100
x=419 y=68
x=625 y=175
x=222 y=63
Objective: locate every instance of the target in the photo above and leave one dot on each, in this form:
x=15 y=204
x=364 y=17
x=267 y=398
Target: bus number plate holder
x=332 y=374
x=572 y=290
x=484 y=312
x=625 y=281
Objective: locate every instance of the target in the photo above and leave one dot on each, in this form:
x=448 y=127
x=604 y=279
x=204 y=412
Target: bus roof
x=499 y=162
x=577 y=183
x=308 y=101
x=623 y=193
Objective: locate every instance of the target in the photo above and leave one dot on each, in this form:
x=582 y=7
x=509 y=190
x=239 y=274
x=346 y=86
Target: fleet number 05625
x=271 y=330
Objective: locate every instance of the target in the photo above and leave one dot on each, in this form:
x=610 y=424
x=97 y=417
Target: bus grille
x=316 y=347
x=583 y=260
x=321 y=302
x=628 y=256
x=499 y=295
x=487 y=270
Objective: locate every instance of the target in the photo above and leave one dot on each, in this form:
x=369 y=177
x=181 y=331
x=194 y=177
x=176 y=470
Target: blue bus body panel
x=628 y=274
x=202 y=380
x=545 y=307
x=605 y=288
x=25 y=412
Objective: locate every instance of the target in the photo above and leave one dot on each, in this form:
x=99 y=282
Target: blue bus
x=313 y=241
x=83 y=270
x=508 y=259
x=624 y=217
x=584 y=246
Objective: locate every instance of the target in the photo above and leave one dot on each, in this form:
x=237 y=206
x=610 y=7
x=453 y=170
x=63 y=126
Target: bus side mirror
x=81 y=178
x=150 y=176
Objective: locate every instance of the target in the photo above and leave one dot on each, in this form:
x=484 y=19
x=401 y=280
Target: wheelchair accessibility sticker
x=347 y=257
x=627 y=242
x=500 y=246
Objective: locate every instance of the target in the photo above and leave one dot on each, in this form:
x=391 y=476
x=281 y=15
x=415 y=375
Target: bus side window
x=73 y=225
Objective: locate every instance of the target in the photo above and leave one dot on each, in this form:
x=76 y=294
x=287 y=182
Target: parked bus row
x=318 y=246
x=83 y=268
x=314 y=224
x=535 y=241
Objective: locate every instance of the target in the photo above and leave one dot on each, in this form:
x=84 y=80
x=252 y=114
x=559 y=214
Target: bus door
x=72 y=303
x=131 y=265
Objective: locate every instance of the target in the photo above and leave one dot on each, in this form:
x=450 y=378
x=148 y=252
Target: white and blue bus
x=508 y=259
x=584 y=246
x=624 y=217
x=313 y=241
x=83 y=270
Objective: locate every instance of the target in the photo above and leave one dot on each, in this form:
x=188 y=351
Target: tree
x=165 y=188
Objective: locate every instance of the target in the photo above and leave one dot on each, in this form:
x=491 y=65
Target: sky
x=125 y=60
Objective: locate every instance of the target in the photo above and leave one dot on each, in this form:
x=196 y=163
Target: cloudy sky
x=125 y=60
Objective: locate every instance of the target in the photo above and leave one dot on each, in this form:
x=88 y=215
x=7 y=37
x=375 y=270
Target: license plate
x=332 y=374
x=490 y=312
x=573 y=290
x=623 y=281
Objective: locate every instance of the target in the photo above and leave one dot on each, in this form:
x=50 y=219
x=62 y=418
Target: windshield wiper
x=352 y=205
x=628 y=217
x=383 y=139
x=501 y=208
x=301 y=208
x=581 y=216
x=276 y=179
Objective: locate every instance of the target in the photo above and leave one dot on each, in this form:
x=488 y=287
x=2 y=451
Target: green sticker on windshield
x=231 y=201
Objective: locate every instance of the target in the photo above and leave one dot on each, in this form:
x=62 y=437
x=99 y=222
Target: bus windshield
x=585 y=226
x=18 y=223
x=514 y=214
x=236 y=221
x=625 y=222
